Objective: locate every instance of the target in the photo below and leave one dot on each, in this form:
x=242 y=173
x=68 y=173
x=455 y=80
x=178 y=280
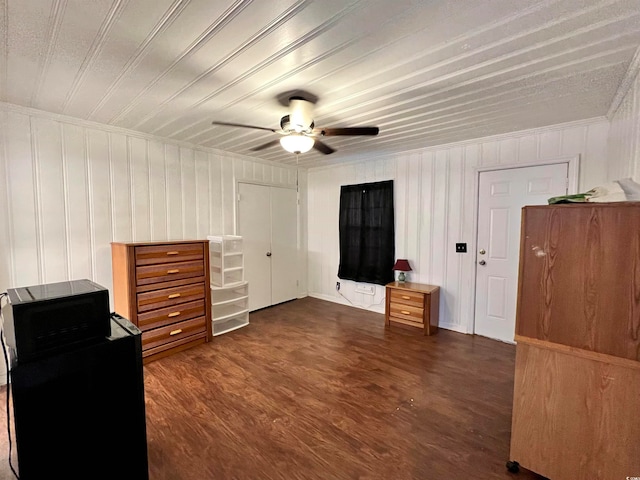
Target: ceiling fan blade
x=332 y=132
x=323 y=147
x=226 y=124
x=265 y=145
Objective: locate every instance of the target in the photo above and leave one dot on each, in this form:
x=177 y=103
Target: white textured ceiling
x=426 y=72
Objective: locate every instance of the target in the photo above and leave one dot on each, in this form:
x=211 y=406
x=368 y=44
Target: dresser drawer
x=406 y=297
x=406 y=312
x=166 y=316
x=154 y=254
x=167 y=272
x=173 y=333
x=169 y=296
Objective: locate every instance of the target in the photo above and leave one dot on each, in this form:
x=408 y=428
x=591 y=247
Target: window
x=367 y=237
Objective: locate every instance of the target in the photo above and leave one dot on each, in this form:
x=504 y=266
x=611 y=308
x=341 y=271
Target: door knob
x=482 y=262
x=268 y=254
x=482 y=252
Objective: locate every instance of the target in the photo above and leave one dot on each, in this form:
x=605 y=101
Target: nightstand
x=413 y=304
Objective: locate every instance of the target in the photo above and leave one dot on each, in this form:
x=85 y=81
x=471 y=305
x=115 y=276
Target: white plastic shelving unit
x=229 y=308
x=229 y=291
x=226 y=260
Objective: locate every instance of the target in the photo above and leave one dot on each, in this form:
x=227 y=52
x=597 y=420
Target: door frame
x=573 y=174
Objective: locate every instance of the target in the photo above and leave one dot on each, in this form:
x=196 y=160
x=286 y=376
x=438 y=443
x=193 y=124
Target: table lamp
x=402 y=265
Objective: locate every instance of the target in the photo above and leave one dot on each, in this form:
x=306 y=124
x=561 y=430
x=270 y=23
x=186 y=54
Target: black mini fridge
x=80 y=413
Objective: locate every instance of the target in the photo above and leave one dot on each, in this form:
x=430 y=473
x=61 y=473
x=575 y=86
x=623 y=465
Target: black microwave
x=41 y=320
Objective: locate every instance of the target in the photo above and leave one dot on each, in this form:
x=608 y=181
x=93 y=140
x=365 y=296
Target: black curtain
x=367 y=237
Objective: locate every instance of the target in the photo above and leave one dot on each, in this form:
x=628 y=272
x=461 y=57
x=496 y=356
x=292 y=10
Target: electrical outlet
x=461 y=248
x=337 y=286
x=366 y=289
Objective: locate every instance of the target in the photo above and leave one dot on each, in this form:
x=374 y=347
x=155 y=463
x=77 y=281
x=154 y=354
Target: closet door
x=267 y=222
x=254 y=225
x=284 y=244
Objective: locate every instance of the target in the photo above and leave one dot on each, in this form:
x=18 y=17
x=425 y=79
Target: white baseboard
x=342 y=301
x=380 y=309
x=454 y=327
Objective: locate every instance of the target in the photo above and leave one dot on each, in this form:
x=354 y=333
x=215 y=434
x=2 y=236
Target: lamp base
x=401 y=277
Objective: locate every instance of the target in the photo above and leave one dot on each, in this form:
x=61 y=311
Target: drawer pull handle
x=406 y=297
x=174 y=314
x=404 y=312
x=175 y=270
x=175 y=332
x=174 y=295
x=175 y=252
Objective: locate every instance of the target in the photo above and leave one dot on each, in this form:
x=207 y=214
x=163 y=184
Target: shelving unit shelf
x=229 y=290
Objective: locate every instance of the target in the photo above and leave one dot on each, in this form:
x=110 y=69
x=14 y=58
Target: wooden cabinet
x=413 y=304
x=577 y=378
x=163 y=288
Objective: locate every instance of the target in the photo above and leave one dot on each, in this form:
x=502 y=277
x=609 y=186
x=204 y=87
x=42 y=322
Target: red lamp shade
x=402 y=265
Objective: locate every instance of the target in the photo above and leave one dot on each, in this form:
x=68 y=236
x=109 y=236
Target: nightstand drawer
x=169 y=315
x=407 y=312
x=173 y=333
x=168 y=272
x=405 y=297
x=154 y=254
x=170 y=296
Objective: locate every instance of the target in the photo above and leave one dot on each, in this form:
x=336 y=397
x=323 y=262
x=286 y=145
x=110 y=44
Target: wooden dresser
x=163 y=288
x=413 y=304
x=577 y=374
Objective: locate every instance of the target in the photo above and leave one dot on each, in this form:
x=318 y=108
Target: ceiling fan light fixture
x=301 y=113
x=297 y=143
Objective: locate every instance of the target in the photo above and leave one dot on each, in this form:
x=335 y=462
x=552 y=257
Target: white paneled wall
x=435 y=208
x=70 y=188
x=624 y=138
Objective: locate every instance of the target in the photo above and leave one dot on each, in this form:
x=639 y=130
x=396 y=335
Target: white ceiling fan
x=298 y=131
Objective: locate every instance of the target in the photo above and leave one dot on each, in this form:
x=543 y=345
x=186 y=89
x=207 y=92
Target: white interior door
x=267 y=222
x=254 y=225
x=284 y=244
x=501 y=196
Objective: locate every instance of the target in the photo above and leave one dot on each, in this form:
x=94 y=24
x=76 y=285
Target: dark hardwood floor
x=316 y=390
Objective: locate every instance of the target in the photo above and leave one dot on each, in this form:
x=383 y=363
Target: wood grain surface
x=160 y=287
x=579 y=282
x=316 y=390
x=575 y=418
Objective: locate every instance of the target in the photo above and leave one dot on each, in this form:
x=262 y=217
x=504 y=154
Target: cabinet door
x=580 y=277
x=572 y=416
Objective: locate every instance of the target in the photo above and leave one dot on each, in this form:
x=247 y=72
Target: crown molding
x=629 y=78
